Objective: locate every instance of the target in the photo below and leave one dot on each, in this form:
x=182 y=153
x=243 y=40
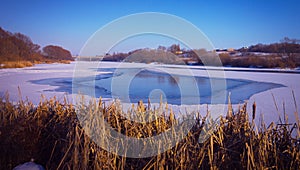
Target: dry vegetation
x=22 y=64
x=266 y=61
x=16 y=64
x=51 y=134
x=17 y=50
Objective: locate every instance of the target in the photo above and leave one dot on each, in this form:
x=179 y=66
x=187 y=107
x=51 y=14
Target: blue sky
x=226 y=23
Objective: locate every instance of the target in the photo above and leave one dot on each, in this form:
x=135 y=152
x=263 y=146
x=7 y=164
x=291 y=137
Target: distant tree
x=116 y=57
x=173 y=48
x=153 y=55
x=56 y=53
x=286 y=47
x=290 y=41
x=134 y=51
x=163 y=48
x=17 y=47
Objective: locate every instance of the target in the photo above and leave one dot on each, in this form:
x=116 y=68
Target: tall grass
x=16 y=64
x=50 y=133
x=22 y=64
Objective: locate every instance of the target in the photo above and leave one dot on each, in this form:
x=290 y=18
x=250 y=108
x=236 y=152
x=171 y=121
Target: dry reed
x=51 y=134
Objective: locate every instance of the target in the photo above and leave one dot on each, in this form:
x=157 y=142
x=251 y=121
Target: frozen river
x=177 y=85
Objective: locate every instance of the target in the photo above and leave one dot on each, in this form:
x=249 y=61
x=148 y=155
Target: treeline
x=258 y=61
x=17 y=49
x=285 y=54
x=167 y=55
x=286 y=46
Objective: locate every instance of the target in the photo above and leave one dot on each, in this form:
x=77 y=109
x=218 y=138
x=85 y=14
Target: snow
x=23 y=78
x=29 y=166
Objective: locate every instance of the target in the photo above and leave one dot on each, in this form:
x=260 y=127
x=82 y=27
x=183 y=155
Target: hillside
x=153 y=56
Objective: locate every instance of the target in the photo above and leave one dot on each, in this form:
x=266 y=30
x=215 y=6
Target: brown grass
x=16 y=64
x=22 y=64
x=51 y=134
x=57 y=61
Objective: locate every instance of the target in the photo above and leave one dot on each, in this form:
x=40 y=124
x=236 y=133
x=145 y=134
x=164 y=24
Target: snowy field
x=26 y=79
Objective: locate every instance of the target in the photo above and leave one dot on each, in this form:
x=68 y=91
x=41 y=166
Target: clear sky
x=227 y=23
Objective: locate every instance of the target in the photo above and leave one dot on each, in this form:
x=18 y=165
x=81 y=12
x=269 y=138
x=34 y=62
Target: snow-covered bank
x=11 y=79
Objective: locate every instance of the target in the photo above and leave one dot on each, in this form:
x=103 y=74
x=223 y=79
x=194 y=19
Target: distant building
x=178 y=52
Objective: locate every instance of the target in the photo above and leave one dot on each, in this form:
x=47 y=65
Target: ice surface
x=50 y=80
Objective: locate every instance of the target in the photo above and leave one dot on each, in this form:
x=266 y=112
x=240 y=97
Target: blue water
x=175 y=89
